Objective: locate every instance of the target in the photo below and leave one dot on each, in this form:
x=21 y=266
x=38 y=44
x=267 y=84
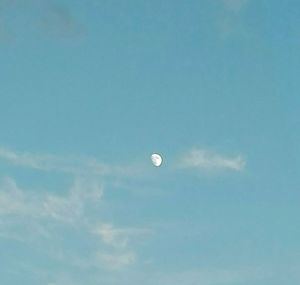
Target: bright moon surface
x=156 y=159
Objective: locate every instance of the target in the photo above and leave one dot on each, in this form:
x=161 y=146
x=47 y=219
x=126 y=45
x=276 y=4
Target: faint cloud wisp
x=234 y=5
x=201 y=159
x=118 y=237
x=42 y=218
x=52 y=19
x=38 y=217
x=78 y=166
x=230 y=20
x=59 y=21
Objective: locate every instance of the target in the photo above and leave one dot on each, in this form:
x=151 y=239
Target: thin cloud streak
x=118 y=237
x=212 y=276
x=50 y=18
x=116 y=261
x=202 y=159
x=69 y=165
x=234 y=5
x=58 y=20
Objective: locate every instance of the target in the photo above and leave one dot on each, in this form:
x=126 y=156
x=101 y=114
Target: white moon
x=156 y=159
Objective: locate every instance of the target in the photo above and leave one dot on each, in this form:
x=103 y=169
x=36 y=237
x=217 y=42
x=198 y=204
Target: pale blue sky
x=89 y=89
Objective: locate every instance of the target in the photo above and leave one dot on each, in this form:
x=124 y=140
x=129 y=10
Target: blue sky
x=89 y=89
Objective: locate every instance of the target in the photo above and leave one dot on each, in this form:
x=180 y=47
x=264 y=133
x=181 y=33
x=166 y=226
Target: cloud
x=112 y=236
x=234 y=5
x=15 y=202
x=5 y=34
x=39 y=217
x=230 y=19
x=52 y=19
x=69 y=165
x=118 y=237
x=116 y=261
x=212 y=276
x=58 y=20
x=68 y=209
x=44 y=219
x=201 y=159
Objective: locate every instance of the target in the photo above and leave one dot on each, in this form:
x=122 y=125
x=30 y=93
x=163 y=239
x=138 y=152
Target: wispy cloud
x=70 y=165
x=212 y=276
x=49 y=18
x=58 y=20
x=68 y=208
x=116 y=261
x=230 y=19
x=82 y=194
x=39 y=217
x=234 y=5
x=5 y=34
x=42 y=218
x=118 y=237
x=202 y=159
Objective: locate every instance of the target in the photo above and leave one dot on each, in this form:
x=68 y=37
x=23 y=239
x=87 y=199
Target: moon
x=156 y=159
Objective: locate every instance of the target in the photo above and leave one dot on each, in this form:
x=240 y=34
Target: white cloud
x=118 y=237
x=112 y=236
x=211 y=276
x=16 y=202
x=70 y=165
x=207 y=160
x=12 y=200
x=230 y=20
x=43 y=218
x=58 y=20
x=82 y=194
x=51 y=19
x=116 y=261
x=234 y=5
x=46 y=162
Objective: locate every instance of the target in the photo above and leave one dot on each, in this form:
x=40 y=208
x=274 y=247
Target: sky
x=89 y=89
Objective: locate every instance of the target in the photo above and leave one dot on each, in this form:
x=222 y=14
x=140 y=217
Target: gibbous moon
x=156 y=159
